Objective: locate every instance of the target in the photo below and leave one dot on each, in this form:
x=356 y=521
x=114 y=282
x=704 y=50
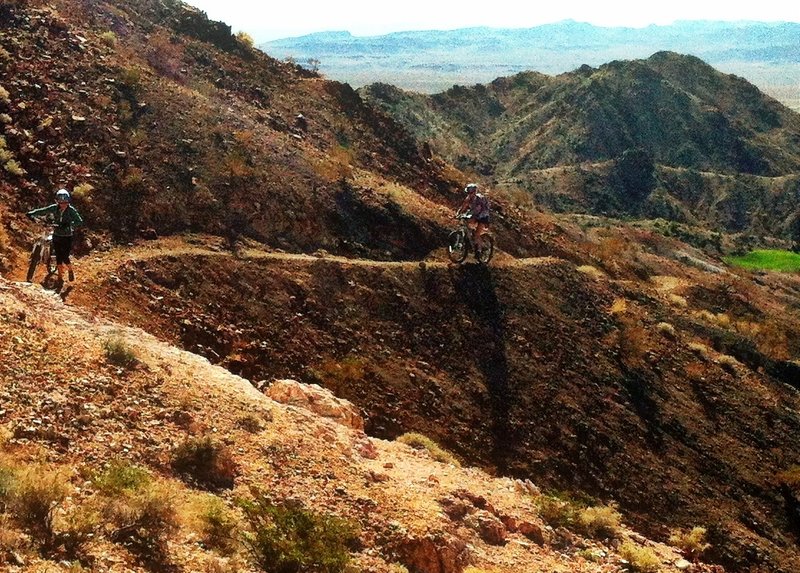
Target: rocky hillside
x=714 y=149
x=161 y=121
x=247 y=213
x=163 y=462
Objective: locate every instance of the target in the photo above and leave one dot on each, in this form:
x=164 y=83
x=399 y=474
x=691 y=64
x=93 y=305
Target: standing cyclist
x=477 y=204
x=65 y=219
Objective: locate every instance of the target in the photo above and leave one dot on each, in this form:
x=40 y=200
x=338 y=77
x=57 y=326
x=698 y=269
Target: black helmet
x=471 y=187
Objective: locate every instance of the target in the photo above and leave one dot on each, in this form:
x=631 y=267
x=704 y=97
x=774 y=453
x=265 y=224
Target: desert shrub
x=109 y=38
x=144 y=519
x=5 y=118
x=245 y=39
x=121 y=476
x=205 y=463
x=632 y=341
x=219 y=525
x=130 y=78
x=284 y=539
x=557 y=512
x=4 y=95
x=640 y=559
x=667 y=330
x=83 y=193
x=591 y=271
x=790 y=477
x=76 y=529
x=36 y=493
x=14 y=168
x=7 y=479
x=420 y=442
x=338 y=375
x=250 y=423
x=600 y=522
x=119 y=353
x=691 y=543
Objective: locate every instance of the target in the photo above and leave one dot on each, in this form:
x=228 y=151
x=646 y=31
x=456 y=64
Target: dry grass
x=640 y=559
x=420 y=442
x=691 y=543
x=600 y=522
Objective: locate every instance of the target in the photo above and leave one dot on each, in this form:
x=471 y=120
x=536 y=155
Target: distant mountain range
x=767 y=54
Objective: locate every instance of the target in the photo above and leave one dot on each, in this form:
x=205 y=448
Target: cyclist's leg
x=62 y=246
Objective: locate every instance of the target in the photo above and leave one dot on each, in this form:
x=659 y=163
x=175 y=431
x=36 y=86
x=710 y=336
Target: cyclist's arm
x=44 y=211
x=77 y=220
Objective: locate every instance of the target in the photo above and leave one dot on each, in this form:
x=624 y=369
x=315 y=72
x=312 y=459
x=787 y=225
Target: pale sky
x=272 y=20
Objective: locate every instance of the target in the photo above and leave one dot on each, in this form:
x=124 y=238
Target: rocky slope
x=70 y=410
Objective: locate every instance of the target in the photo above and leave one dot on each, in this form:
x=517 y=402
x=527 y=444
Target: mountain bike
x=42 y=252
x=460 y=242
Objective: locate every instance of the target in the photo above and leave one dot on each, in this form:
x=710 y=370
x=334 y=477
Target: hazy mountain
x=768 y=54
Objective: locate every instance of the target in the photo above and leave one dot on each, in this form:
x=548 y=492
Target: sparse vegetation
x=420 y=442
x=109 y=38
x=556 y=511
x=601 y=522
x=220 y=525
x=692 y=543
x=36 y=493
x=119 y=353
x=640 y=559
x=121 y=476
x=205 y=462
x=285 y=538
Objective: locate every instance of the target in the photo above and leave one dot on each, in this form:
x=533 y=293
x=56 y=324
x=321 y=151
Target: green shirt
x=65 y=221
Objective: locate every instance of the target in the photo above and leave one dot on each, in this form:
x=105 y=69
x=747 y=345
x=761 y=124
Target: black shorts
x=62 y=247
x=483 y=219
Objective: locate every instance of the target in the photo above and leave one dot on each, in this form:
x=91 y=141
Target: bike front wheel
x=49 y=260
x=484 y=254
x=457 y=246
x=36 y=255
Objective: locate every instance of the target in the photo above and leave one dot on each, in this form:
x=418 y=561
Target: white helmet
x=470 y=188
x=62 y=195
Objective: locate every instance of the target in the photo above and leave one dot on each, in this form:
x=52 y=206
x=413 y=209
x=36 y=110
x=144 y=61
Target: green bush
x=219 y=526
x=557 y=512
x=285 y=539
x=121 y=476
x=420 y=442
x=205 y=463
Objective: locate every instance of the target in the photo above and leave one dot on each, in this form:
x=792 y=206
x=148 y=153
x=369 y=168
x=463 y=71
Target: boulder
x=316 y=399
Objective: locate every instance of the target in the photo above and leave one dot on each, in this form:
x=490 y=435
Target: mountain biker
x=477 y=205
x=65 y=219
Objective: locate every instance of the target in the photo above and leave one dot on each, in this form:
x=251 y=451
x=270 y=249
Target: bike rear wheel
x=484 y=254
x=457 y=246
x=36 y=255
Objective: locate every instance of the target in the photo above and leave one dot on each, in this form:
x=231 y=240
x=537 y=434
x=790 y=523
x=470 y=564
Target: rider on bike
x=477 y=205
x=66 y=218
